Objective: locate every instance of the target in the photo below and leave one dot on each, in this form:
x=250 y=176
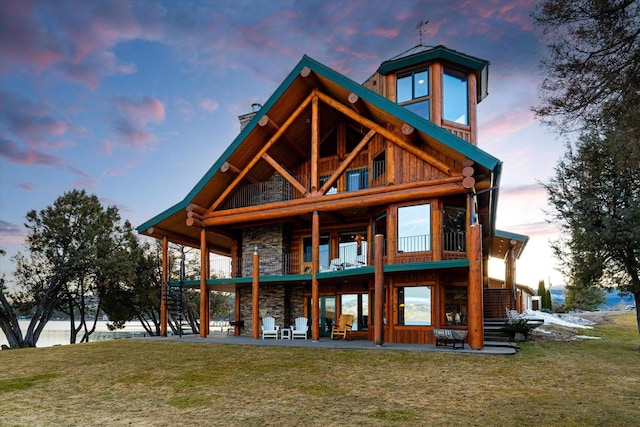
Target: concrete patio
x=490 y=349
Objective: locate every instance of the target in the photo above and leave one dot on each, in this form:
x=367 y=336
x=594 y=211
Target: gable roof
x=279 y=107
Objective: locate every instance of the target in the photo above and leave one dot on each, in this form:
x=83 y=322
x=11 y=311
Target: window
x=453 y=228
x=357 y=179
x=324 y=251
x=333 y=189
x=379 y=165
x=414 y=228
x=358 y=305
x=414 y=306
x=412 y=92
x=455 y=95
x=379 y=227
x=455 y=305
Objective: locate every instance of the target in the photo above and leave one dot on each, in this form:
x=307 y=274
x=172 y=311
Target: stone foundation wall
x=284 y=303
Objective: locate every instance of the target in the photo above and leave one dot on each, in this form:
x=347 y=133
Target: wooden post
x=475 y=305
x=315 y=145
x=236 y=317
x=315 y=264
x=255 y=301
x=378 y=266
x=165 y=283
x=204 y=292
x=437 y=235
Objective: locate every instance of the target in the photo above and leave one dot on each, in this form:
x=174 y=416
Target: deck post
x=204 y=292
x=255 y=304
x=475 y=305
x=378 y=271
x=165 y=283
x=315 y=264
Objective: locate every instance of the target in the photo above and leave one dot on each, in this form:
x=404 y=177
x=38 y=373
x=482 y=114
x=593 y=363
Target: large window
x=412 y=92
x=414 y=228
x=455 y=94
x=414 y=306
x=358 y=305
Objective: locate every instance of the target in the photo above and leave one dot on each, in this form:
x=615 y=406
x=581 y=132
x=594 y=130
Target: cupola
x=437 y=83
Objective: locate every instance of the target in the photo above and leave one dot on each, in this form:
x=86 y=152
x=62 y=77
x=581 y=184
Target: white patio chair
x=336 y=264
x=300 y=328
x=269 y=328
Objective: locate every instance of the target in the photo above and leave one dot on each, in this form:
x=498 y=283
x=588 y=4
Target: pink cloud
x=85 y=181
x=32 y=122
x=389 y=33
x=131 y=118
x=10 y=151
x=11 y=233
x=208 y=104
x=28 y=186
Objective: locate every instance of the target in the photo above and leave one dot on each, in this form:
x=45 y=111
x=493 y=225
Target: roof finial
x=419 y=28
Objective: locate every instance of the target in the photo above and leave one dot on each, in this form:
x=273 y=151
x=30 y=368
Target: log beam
x=226 y=166
x=285 y=173
x=330 y=203
x=272 y=127
x=347 y=162
x=334 y=198
x=356 y=104
x=263 y=150
x=399 y=141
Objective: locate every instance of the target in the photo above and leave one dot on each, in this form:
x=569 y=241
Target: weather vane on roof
x=419 y=28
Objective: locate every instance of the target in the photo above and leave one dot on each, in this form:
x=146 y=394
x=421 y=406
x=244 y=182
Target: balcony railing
x=415 y=249
x=278 y=189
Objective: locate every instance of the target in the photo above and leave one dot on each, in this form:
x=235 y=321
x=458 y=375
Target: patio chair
x=361 y=260
x=336 y=264
x=300 y=328
x=269 y=328
x=343 y=328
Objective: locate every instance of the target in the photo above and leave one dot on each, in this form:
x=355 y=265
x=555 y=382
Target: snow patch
x=558 y=319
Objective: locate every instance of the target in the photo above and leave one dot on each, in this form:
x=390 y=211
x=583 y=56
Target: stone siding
x=284 y=303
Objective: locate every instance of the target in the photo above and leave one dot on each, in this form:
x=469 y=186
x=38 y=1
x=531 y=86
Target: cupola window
x=455 y=97
x=412 y=91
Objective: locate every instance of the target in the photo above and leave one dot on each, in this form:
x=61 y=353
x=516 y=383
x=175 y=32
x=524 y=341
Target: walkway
x=220 y=338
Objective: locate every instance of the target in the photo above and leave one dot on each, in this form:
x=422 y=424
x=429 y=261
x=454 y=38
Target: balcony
x=278 y=189
x=415 y=249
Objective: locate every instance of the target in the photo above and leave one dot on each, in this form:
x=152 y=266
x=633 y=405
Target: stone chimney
x=246 y=118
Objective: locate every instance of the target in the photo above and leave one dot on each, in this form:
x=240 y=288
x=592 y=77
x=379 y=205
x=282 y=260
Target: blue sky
x=135 y=100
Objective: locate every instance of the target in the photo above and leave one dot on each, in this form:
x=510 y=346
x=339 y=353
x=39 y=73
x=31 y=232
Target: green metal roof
x=420 y=124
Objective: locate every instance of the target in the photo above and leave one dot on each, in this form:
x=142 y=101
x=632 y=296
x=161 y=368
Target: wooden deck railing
x=416 y=249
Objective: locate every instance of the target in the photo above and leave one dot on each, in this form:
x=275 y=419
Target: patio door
x=327 y=315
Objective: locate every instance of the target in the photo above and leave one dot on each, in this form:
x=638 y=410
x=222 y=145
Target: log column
x=204 y=292
x=315 y=266
x=378 y=308
x=255 y=300
x=165 y=282
x=475 y=305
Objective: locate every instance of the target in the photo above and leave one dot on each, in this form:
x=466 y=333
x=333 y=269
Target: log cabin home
x=367 y=199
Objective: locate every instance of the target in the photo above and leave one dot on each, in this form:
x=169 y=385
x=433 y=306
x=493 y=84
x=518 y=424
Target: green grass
x=129 y=382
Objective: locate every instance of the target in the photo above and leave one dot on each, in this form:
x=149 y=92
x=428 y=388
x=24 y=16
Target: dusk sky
x=133 y=101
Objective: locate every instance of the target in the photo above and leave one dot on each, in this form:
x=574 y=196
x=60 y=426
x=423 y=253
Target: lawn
x=131 y=382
